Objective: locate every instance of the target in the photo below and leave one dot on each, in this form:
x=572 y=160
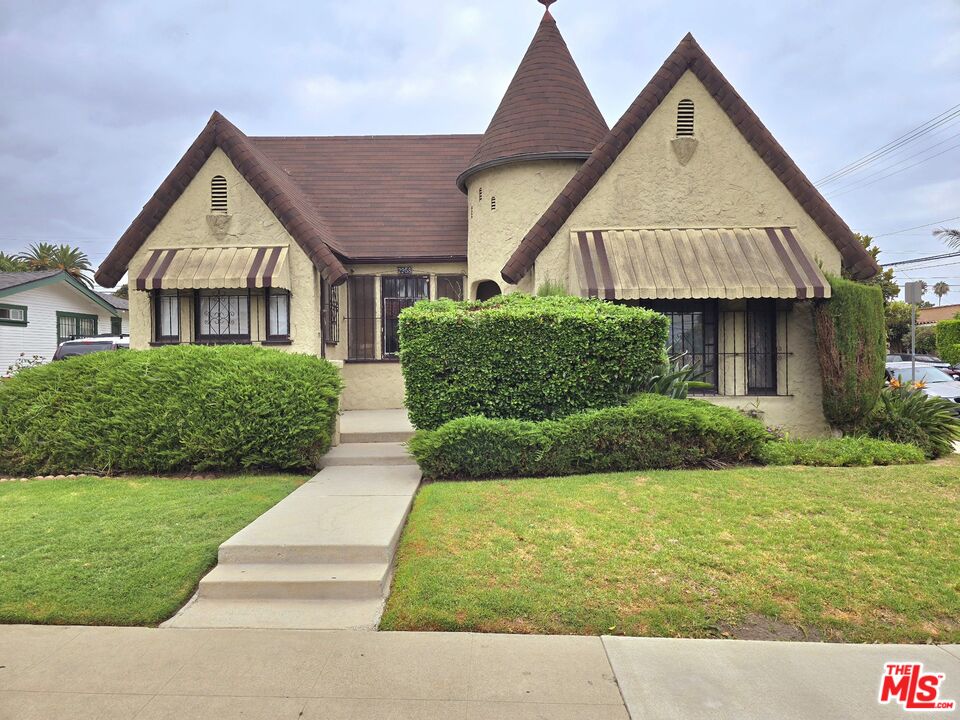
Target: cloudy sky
x=99 y=98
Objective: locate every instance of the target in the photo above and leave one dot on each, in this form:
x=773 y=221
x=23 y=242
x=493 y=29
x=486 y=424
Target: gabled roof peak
x=547 y=111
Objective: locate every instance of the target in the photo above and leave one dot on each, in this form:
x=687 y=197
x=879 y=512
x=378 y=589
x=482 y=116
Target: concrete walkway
x=321 y=558
x=147 y=674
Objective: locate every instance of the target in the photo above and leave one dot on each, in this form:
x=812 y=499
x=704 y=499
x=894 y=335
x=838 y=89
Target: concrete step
x=295 y=581
x=375 y=426
x=352 y=614
x=392 y=453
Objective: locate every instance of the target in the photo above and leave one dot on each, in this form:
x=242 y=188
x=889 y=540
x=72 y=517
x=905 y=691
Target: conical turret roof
x=547 y=111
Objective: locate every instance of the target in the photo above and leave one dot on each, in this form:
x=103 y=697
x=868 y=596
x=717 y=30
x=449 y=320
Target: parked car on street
x=85 y=346
x=926 y=360
x=934 y=380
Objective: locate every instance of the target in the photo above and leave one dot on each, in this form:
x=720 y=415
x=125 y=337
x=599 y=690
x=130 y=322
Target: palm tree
x=47 y=256
x=950 y=237
x=940 y=289
x=10 y=263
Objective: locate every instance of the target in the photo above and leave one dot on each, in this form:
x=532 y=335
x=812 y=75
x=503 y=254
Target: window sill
x=162 y=343
x=287 y=341
x=223 y=341
x=372 y=360
x=14 y=323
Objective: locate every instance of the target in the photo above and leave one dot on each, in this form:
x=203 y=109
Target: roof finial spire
x=547 y=4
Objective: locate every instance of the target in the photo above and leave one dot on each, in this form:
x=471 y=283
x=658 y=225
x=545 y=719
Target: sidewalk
x=112 y=673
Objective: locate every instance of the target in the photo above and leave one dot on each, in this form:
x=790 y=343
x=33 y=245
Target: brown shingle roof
x=387 y=197
x=274 y=187
x=547 y=110
x=690 y=56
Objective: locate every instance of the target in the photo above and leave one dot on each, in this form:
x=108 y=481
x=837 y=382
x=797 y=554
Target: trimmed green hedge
x=851 y=345
x=651 y=432
x=173 y=409
x=840 y=452
x=948 y=341
x=530 y=358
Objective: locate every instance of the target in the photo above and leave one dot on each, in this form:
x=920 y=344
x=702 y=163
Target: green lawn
x=118 y=551
x=865 y=554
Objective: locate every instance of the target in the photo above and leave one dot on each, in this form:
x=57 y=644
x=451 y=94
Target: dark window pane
x=399 y=293
x=761 y=347
x=361 y=318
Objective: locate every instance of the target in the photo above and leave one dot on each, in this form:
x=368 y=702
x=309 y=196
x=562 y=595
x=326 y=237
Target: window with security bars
x=450 y=286
x=361 y=318
x=222 y=316
x=693 y=335
x=73 y=326
x=685 y=118
x=396 y=294
x=331 y=314
x=762 y=354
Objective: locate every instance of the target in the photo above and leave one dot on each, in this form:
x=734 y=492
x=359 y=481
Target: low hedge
x=650 y=432
x=528 y=358
x=840 y=452
x=168 y=410
x=948 y=341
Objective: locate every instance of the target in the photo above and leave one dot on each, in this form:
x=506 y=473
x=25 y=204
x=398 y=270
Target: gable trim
x=270 y=182
x=66 y=277
x=688 y=55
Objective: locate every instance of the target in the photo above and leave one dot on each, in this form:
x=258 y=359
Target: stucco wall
x=523 y=192
x=251 y=223
x=372 y=386
x=725 y=183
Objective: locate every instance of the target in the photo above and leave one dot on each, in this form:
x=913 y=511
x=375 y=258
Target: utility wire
x=923 y=259
x=895 y=172
x=945 y=117
x=916 y=227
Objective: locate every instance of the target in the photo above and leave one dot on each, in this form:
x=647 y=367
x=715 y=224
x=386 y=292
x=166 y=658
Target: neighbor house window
x=116 y=326
x=685 y=118
x=278 y=315
x=331 y=314
x=761 y=347
x=166 y=316
x=399 y=293
x=13 y=314
x=450 y=286
x=218 y=195
x=73 y=326
x=223 y=316
x=361 y=317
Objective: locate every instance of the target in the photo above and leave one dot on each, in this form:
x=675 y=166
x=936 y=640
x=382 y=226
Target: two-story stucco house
x=688 y=205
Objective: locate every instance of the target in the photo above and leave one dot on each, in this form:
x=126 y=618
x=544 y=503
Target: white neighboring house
x=39 y=310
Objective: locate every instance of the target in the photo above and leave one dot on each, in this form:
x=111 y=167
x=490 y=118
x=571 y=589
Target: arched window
x=218 y=195
x=685 y=118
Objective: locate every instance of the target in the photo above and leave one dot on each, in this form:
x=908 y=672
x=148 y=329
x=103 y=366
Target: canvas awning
x=215 y=268
x=723 y=263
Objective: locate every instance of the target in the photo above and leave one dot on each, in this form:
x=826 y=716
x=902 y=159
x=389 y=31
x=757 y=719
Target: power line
x=904 y=139
x=916 y=227
x=895 y=172
x=919 y=260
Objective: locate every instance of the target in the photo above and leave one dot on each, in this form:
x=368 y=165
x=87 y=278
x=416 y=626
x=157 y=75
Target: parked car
x=85 y=346
x=926 y=360
x=935 y=381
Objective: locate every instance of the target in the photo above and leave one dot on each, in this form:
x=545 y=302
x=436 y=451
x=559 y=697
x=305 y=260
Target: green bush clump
x=948 y=341
x=840 y=452
x=521 y=357
x=650 y=432
x=174 y=409
x=851 y=346
x=906 y=415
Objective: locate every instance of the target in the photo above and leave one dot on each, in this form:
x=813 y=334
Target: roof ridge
x=408 y=136
x=688 y=55
x=274 y=186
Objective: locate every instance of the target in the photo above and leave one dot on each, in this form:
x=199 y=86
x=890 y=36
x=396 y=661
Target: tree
x=47 y=256
x=123 y=292
x=884 y=278
x=950 y=237
x=940 y=289
x=10 y=263
x=897 y=316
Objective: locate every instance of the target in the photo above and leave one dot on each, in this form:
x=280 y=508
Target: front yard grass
x=118 y=551
x=847 y=554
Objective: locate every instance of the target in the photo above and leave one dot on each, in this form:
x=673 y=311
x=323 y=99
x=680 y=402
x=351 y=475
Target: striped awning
x=723 y=263
x=215 y=268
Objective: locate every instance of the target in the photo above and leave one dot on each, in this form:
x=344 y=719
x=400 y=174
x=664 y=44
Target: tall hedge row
x=529 y=358
x=169 y=410
x=948 y=341
x=851 y=345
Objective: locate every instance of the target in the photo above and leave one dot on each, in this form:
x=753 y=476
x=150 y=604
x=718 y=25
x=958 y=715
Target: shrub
x=906 y=415
x=851 y=344
x=169 y=410
x=521 y=357
x=842 y=452
x=650 y=432
x=948 y=341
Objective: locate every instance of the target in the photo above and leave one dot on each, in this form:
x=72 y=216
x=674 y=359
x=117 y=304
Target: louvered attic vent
x=218 y=195
x=685 y=118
